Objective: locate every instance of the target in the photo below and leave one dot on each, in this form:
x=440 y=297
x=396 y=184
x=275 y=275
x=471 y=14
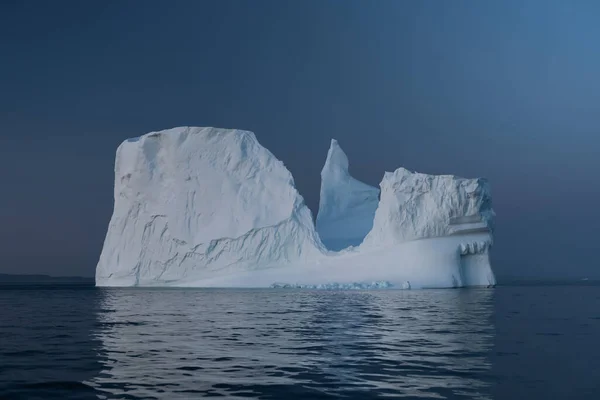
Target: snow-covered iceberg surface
x=212 y=207
x=192 y=203
x=347 y=206
x=417 y=206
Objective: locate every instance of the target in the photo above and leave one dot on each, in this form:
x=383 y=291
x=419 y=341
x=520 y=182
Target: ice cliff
x=347 y=206
x=194 y=202
x=417 y=206
x=212 y=207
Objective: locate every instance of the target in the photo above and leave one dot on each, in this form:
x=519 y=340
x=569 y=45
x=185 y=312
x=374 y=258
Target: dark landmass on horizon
x=43 y=279
x=532 y=281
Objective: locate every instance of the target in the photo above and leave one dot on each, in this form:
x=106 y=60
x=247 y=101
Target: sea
x=511 y=342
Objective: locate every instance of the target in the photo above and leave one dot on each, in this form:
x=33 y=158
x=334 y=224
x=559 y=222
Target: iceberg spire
x=347 y=206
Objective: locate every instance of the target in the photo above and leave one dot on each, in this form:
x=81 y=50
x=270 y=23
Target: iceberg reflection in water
x=294 y=343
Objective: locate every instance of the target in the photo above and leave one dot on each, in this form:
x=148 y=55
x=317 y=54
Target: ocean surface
x=513 y=342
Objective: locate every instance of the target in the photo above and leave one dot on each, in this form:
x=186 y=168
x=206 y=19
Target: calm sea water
x=77 y=342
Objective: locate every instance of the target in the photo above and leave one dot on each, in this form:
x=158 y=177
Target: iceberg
x=208 y=207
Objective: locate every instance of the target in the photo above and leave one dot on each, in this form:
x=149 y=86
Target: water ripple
x=308 y=344
x=285 y=344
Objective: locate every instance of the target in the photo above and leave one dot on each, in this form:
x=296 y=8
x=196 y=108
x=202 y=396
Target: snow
x=347 y=206
x=207 y=207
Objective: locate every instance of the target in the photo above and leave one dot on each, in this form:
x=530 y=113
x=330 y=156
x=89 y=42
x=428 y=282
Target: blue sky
x=506 y=90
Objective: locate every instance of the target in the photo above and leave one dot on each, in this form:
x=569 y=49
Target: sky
x=506 y=90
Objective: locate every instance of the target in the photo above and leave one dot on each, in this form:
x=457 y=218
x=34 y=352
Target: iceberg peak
x=336 y=163
x=347 y=206
x=198 y=202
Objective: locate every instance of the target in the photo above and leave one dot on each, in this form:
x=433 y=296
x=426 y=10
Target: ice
x=338 y=286
x=191 y=203
x=417 y=206
x=347 y=206
x=207 y=207
x=428 y=263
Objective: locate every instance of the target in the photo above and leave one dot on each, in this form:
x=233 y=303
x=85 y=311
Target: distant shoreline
x=43 y=279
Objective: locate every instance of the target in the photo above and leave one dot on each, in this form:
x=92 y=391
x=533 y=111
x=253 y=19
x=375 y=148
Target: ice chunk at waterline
x=337 y=286
x=212 y=207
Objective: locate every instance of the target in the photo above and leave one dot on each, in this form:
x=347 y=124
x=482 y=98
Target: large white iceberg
x=211 y=207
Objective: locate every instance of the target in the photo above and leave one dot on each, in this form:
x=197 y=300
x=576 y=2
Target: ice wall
x=416 y=206
x=201 y=202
